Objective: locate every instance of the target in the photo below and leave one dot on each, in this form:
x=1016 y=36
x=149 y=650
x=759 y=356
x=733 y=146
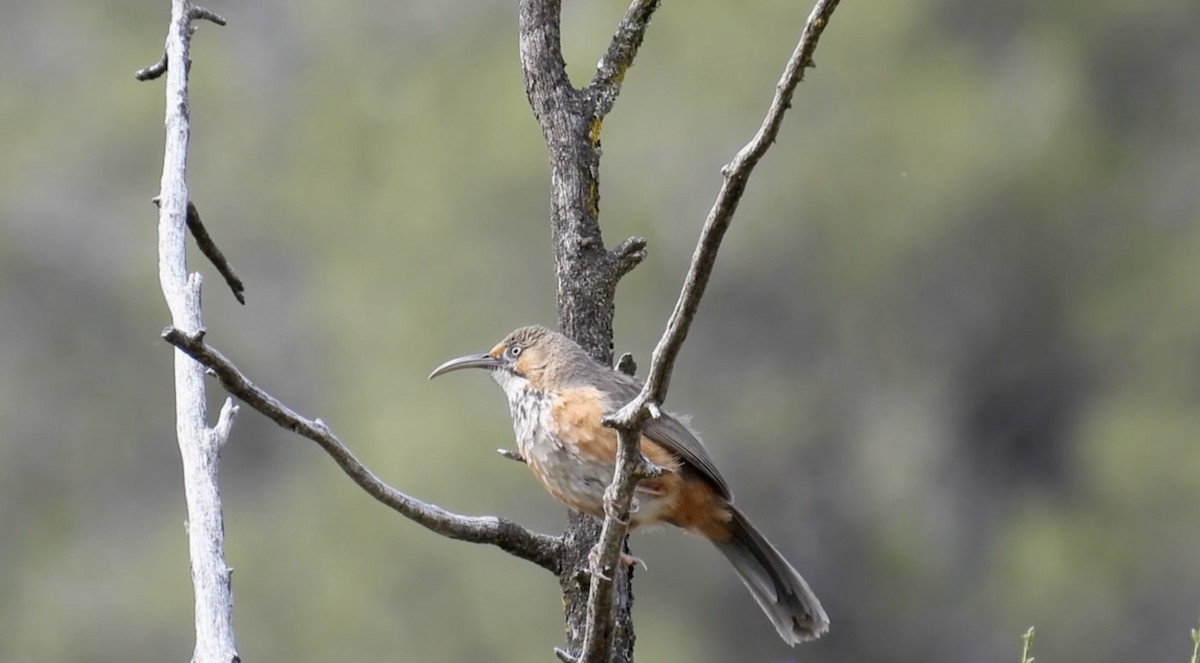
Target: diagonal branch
x=209 y=248
x=737 y=174
x=211 y=251
x=541 y=549
x=623 y=48
x=628 y=421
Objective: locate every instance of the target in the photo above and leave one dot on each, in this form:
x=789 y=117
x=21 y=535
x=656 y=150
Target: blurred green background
x=949 y=360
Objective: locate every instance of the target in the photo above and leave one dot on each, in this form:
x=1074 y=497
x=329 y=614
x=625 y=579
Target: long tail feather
x=779 y=590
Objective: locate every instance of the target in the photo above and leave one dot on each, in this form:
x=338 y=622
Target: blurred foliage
x=950 y=358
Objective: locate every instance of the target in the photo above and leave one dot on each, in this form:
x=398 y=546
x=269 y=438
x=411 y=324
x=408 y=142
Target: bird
x=557 y=397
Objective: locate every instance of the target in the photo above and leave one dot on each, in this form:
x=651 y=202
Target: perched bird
x=557 y=396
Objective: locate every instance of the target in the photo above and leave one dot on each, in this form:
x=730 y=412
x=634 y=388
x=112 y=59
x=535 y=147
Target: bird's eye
x=514 y=350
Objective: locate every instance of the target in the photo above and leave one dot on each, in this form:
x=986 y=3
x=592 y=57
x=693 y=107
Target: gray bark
x=199 y=445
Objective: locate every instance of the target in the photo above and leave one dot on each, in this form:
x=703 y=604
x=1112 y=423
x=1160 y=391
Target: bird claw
x=594 y=566
x=610 y=507
x=649 y=470
x=629 y=561
x=626 y=561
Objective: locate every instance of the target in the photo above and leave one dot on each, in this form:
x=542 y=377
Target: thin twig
x=209 y=248
x=511 y=455
x=153 y=71
x=218 y=435
x=541 y=549
x=623 y=48
x=159 y=68
x=200 y=13
x=628 y=254
x=629 y=419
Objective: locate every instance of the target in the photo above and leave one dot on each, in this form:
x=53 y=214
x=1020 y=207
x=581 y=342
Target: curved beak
x=469 y=361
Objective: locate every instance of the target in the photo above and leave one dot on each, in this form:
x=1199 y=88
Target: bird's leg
x=610 y=510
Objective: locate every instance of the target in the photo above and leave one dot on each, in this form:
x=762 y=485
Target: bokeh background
x=949 y=360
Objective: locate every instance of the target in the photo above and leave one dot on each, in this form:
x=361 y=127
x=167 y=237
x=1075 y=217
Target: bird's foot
x=611 y=510
x=626 y=560
x=629 y=561
x=649 y=470
x=594 y=565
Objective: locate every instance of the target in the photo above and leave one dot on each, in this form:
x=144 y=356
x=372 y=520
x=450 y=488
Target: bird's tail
x=778 y=588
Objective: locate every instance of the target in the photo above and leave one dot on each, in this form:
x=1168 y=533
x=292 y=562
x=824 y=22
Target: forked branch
x=199 y=445
x=541 y=549
x=623 y=48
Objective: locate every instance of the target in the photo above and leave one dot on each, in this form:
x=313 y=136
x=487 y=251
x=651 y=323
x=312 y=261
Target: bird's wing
x=669 y=432
x=674 y=436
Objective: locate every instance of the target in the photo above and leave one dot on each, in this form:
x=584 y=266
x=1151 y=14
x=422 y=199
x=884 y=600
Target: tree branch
x=540 y=549
x=626 y=364
x=159 y=68
x=623 y=48
x=631 y=467
x=511 y=455
x=627 y=255
x=151 y=72
x=210 y=250
x=199 y=446
x=737 y=174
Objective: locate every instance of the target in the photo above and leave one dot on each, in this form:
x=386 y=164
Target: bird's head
x=527 y=356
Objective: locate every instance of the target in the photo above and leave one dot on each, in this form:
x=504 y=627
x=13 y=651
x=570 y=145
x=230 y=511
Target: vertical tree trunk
x=586 y=286
x=585 y=270
x=199 y=445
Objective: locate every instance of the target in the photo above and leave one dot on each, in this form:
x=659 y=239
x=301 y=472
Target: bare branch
x=199 y=446
x=198 y=13
x=628 y=254
x=540 y=549
x=737 y=174
x=626 y=364
x=623 y=48
x=209 y=248
x=153 y=71
x=218 y=435
x=631 y=466
x=511 y=455
x=159 y=68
